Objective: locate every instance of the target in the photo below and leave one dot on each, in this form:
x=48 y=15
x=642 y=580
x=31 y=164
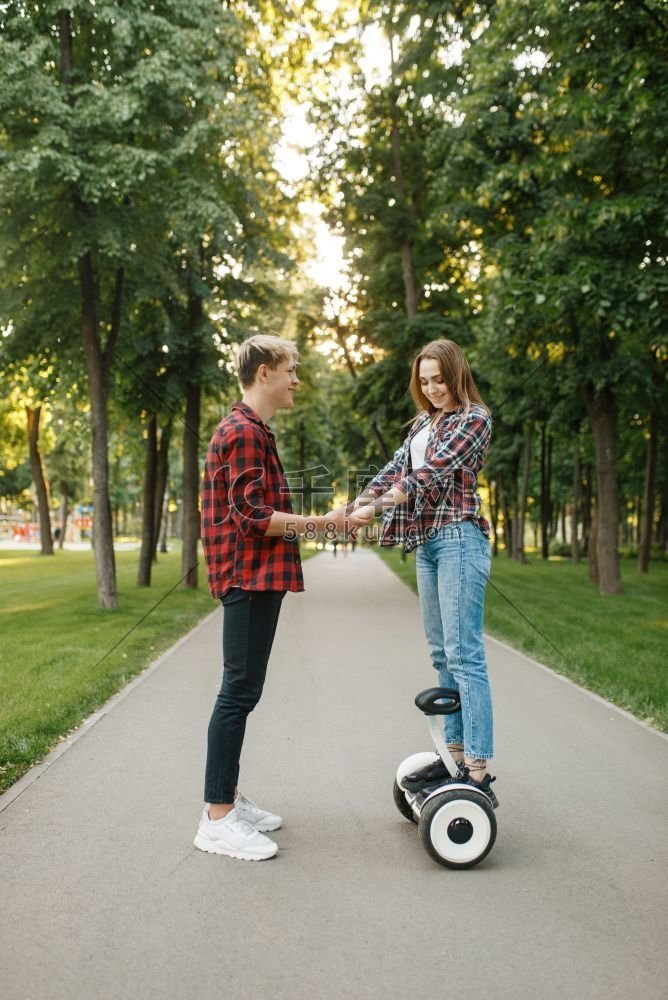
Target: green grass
x=615 y=646
x=54 y=639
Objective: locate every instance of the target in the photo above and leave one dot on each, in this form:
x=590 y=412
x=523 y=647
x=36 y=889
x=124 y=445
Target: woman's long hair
x=456 y=374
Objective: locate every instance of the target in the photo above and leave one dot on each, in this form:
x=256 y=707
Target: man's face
x=281 y=384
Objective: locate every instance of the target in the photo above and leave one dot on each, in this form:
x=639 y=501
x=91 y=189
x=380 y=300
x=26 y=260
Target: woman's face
x=433 y=385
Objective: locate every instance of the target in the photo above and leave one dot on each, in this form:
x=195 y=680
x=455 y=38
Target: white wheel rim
x=414 y=763
x=439 y=832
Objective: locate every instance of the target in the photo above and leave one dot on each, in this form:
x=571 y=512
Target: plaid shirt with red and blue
x=445 y=489
x=242 y=486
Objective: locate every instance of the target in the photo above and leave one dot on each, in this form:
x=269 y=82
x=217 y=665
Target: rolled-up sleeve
x=460 y=449
x=388 y=475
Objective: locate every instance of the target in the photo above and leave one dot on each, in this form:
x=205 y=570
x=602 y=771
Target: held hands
x=364 y=512
x=346 y=520
x=335 y=520
x=362 y=516
x=361 y=513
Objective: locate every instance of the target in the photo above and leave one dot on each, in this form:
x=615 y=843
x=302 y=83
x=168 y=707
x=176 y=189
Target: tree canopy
x=496 y=170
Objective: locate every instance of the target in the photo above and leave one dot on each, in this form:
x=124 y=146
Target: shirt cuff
x=257 y=525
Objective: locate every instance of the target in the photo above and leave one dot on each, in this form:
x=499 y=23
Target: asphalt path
x=103 y=896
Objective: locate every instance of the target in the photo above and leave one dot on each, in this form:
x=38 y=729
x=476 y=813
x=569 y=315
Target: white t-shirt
x=419 y=446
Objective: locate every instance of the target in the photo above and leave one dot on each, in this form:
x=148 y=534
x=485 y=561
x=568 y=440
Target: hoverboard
x=456 y=822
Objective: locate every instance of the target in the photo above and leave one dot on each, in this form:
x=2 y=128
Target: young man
x=249 y=536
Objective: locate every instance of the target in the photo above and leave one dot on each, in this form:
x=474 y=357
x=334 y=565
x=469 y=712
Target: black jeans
x=249 y=627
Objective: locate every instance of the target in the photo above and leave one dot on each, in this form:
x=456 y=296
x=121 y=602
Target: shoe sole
x=268 y=827
x=419 y=786
x=210 y=847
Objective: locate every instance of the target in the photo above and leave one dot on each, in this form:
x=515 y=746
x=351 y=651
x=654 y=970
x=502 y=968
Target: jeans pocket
x=485 y=550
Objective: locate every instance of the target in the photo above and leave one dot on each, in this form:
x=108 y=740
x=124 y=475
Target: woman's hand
x=364 y=512
x=362 y=516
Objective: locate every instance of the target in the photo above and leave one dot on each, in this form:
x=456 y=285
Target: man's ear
x=261 y=374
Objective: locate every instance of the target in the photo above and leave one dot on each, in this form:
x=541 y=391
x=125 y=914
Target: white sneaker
x=258 y=818
x=233 y=836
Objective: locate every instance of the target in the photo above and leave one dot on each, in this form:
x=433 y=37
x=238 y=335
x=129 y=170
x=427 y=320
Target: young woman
x=428 y=493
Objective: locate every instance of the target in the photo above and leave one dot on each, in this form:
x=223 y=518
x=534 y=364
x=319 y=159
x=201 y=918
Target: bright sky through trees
x=327 y=266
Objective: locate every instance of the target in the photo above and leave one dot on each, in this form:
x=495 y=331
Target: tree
x=568 y=203
x=33 y=415
x=29 y=388
x=69 y=460
x=123 y=128
x=409 y=279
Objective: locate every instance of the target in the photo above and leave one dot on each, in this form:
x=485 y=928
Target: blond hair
x=455 y=371
x=262 y=349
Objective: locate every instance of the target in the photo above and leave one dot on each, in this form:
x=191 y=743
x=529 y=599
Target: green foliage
x=140 y=139
x=532 y=141
x=569 y=179
x=15 y=481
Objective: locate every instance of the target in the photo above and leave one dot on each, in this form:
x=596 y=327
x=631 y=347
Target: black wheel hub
x=460 y=831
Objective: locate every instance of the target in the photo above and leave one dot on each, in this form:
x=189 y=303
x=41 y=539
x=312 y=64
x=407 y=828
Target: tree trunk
x=545 y=489
x=162 y=475
x=592 y=557
x=96 y=363
x=554 y=519
x=662 y=527
x=494 y=516
x=64 y=514
x=149 y=503
x=577 y=491
x=191 y=516
x=515 y=532
x=33 y=415
x=586 y=509
x=165 y=524
x=97 y=366
x=648 y=505
x=507 y=517
x=602 y=410
x=661 y=537
x=519 y=553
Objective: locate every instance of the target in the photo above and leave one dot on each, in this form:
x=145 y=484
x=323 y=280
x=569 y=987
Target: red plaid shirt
x=443 y=490
x=243 y=485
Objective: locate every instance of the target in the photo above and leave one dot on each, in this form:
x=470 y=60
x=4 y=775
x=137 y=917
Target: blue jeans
x=452 y=572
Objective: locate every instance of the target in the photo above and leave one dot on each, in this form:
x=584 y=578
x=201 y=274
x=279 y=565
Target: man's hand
x=335 y=520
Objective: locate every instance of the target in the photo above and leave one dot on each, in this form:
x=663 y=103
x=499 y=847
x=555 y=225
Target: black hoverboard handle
x=438 y=701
